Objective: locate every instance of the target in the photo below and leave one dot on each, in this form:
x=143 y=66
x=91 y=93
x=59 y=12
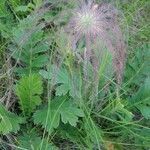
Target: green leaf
x=9 y=122
x=62 y=89
x=145 y=110
x=42 y=47
x=49 y=119
x=29 y=44
x=6 y=20
x=31 y=141
x=142 y=99
x=22 y=9
x=28 y=91
x=61 y=107
x=67 y=82
x=39 y=61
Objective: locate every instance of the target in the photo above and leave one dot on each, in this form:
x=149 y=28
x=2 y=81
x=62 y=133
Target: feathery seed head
x=94 y=21
x=86 y=20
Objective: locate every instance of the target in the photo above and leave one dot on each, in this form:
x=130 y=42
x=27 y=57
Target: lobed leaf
x=9 y=122
x=60 y=108
x=66 y=82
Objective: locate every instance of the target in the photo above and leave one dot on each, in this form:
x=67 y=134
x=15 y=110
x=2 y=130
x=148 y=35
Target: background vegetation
x=43 y=105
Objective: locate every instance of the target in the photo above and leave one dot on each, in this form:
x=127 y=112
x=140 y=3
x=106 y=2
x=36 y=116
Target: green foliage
x=31 y=53
x=61 y=107
x=28 y=91
x=141 y=99
x=9 y=122
x=72 y=133
x=66 y=81
x=5 y=15
x=25 y=9
x=94 y=134
x=138 y=67
x=32 y=141
x=138 y=73
x=116 y=110
x=35 y=41
x=29 y=44
x=145 y=134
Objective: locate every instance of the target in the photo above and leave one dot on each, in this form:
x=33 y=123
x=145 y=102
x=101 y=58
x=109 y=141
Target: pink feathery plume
x=92 y=21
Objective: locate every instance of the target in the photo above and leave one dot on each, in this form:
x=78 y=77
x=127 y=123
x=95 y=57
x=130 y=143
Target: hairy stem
x=87 y=56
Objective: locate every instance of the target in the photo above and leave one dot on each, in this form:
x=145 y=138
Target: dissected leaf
x=61 y=107
x=28 y=91
x=48 y=119
x=31 y=55
x=61 y=76
x=9 y=122
x=29 y=44
x=67 y=82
